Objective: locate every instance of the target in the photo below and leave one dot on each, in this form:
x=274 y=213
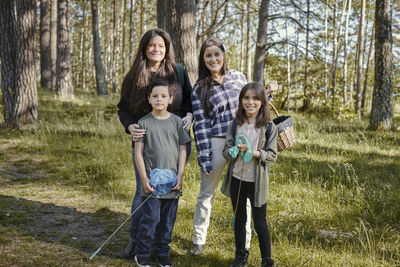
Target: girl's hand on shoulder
x=136 y=132
x=256 y=154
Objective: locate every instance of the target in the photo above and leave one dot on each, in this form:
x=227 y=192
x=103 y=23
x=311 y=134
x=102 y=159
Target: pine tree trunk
x=8 y=59
x=261 y=45
x=346 y=37
x=123 y=37
x=381 y=116
x=64 y=70
x=45 y=62
x=326 y=51
x=83 y=45
x=131 y=33
x=100 y=79
x=364 y=93
x=248 y=57
x=53 y=44
x=19 y=88
x=360 y=58
x=177 y=17
x=306 y=101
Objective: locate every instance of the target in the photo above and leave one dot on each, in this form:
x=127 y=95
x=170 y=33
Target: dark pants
x=137 y=199
x=158 y=219
x=259 y=218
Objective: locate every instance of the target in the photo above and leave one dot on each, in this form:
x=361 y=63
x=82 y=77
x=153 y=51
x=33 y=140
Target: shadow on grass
x=84 y=231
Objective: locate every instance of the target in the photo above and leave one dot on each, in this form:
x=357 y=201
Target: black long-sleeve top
x=181 y=104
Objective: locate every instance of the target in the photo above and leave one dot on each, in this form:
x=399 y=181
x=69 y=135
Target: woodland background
x=65 y=162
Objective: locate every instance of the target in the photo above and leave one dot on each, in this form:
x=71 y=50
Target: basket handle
x=274 y=109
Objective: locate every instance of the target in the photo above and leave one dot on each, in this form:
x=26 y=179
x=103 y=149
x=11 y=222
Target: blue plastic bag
x=162 y=180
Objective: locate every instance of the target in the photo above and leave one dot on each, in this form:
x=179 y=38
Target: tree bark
x=131 y=33
x=53 y=43
x=381 y=116
x=261 y=45
x=84 y=38
x=364 y=92
x=360 y=58
x=346 y=37
x=100 y=79
x=64 y=70
x=18 y=71
x=248 y=57
x=177 y=17
x=45 y=61
x=306 y=97
x=8 y=60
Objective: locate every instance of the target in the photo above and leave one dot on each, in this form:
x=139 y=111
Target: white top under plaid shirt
x=224 y=102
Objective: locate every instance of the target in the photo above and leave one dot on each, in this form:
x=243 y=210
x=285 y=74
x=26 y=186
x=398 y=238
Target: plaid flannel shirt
x=224 y=101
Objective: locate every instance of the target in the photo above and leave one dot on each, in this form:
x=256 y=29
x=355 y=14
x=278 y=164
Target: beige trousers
x=208 y=188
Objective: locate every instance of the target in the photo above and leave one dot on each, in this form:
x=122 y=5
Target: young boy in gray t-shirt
x=163 y=147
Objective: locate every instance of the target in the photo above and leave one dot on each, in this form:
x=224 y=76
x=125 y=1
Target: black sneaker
x=142 y=261
x=164 y=261
x=129 y=250
x=240 y=259
x=268 y=262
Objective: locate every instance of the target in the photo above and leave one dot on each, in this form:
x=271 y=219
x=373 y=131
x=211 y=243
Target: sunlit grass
x=340 y=179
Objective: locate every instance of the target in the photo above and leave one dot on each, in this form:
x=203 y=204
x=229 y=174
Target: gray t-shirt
x=161 y=145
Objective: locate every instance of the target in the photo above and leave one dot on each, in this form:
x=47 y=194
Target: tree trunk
x=360 y=58
x=306 y=102
x=242 y=58
x=346 y=37
x=131 y=33
x=336 y=54
x=85 y=25
x=8 y=59
x=261 y=45
x=326 y=51
x=123 y=37
x=178 y=18
x=53 y=44
x=100 y=79
x=381 y=116
x=364 y=93
x=248 y=57
x=64 y=70
x=45 y=61
x=18 y=71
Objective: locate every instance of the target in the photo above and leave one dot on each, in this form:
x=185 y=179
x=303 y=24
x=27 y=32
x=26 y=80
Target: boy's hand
x=242 y=147
x=147 y=188
x=178 y=184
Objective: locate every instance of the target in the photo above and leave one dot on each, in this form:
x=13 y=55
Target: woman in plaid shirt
x=214 y=102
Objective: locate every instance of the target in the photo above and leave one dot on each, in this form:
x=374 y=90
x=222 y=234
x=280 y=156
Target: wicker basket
x=286 y=135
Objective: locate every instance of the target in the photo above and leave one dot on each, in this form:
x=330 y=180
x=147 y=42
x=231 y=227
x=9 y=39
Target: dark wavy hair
x=137 y=78
x=264 y=115
x=205 y=80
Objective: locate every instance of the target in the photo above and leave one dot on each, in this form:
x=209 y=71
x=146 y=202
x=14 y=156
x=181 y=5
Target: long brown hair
x=264 y=115
x=205 y=80
x=136 y=80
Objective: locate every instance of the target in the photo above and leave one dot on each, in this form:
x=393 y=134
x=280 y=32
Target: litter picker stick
x=98 y=250
x=237 y=199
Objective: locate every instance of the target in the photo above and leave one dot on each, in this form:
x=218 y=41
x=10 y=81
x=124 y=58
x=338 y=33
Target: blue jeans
x=156 y=224
x=137 y=199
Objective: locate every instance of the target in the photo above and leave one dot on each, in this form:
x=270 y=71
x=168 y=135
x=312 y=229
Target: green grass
x=66 y=183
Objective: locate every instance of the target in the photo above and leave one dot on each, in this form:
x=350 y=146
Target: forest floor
x=66 y=183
